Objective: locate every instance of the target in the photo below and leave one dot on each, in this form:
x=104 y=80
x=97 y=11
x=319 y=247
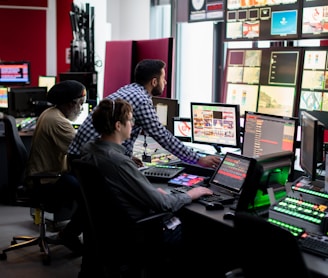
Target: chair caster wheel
x=46 y=260
x=3 y=256
x=13 y=242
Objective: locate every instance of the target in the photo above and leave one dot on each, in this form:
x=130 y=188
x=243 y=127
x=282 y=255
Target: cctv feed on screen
x=216 y=124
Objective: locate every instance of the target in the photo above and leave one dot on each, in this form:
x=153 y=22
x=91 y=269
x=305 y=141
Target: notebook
x=231 y=176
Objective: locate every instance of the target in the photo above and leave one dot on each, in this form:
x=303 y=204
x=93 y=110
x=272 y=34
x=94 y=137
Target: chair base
x=26 y=241
x=42 y=240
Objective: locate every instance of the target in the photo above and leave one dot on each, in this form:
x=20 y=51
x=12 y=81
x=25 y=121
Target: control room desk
x=209 y=227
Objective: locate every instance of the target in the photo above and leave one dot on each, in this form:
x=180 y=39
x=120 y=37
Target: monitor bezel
x=14 y=93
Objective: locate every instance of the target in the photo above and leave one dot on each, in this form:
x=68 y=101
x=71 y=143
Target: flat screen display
x=27 y=101
x=266 y=134
x=15 y=73
x=182 y=128
x=4 y=97
x=46 y=81
x=216 y=124
x=315 y=19
x=262 y=20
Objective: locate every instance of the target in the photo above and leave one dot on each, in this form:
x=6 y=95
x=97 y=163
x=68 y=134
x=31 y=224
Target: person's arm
x=148 y=119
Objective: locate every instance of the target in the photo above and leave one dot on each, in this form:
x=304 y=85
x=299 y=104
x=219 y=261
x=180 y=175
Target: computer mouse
x=214 y=206
x=229 y=215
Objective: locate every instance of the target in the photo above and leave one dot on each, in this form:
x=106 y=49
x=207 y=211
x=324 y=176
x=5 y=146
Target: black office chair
x=265 y=250
x=115 y=245
x=20 y=194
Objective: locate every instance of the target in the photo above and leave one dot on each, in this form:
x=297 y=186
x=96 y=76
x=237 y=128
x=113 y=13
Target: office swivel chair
x=265 y=250
x=20 y=194
x=115 y=245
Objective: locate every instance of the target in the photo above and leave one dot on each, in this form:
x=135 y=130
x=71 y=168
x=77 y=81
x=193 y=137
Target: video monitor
x=315 y=19
x=46 y=81
x=15 y=73
x=276 y=100
x=262 y=20
x=88 y=106
x=266 y=134
x=27 y=101
x=312 y=142
x=166 y=109
x=284 y=67
x=216 y=124
x=284 y=23
x=182 y=128
x=3 y=98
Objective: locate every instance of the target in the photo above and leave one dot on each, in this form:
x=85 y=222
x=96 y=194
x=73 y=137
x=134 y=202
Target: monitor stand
x=217 y=148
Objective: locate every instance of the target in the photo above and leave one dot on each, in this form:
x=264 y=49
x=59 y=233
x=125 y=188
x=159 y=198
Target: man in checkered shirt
x=149 y=81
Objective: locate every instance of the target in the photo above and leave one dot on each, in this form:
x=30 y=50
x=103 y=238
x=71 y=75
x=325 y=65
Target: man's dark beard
x=156 y=91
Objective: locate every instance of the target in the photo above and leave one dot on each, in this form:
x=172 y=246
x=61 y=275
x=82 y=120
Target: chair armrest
x=156 y=217
x=45 y=175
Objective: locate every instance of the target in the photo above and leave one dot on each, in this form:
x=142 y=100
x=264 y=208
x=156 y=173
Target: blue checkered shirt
x=146 y=119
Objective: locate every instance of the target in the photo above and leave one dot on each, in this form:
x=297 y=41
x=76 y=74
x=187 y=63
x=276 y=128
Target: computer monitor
x=15 y=73
x=27 y=101
x=216 y=124
x=87 y=108
x=311 y=151
x=266 y=133
x=3 y=98
x=182 y=128
x=46 y=81
x=166 y=109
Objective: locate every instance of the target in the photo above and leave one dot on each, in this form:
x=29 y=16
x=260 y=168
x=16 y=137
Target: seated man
x=113 y=120
x=51 y=138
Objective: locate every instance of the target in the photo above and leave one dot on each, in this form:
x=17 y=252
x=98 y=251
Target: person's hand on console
x=199 y=191
x=137 y=161
x=209 y=161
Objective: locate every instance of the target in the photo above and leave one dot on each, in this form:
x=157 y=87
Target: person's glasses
x=132 y=120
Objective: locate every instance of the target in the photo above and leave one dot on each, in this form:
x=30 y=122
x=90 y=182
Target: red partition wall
x=158 y=49
x=23 y=37
x=118 y=69
x=122 y=56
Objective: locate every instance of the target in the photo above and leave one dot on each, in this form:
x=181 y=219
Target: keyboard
x=206 y=199
x=162 y=172
x=308 y=242
x=314 y=244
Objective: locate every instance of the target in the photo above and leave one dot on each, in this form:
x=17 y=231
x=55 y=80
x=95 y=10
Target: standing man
x=149 y=81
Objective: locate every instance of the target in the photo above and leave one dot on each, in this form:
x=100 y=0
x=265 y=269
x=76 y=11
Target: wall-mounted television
x=216 y=124
x=262 y=20
x=263 y=80
x=15 y=73
x=314 y=85
x=315 y=19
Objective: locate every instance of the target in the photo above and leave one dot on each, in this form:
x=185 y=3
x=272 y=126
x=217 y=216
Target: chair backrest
x=266 y=250
x=110 y=236
x=17 y=156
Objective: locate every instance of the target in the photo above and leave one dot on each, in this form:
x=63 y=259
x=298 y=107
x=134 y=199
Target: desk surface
x=317 y=265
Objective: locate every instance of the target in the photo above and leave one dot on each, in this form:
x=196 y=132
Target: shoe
x=71 y=241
